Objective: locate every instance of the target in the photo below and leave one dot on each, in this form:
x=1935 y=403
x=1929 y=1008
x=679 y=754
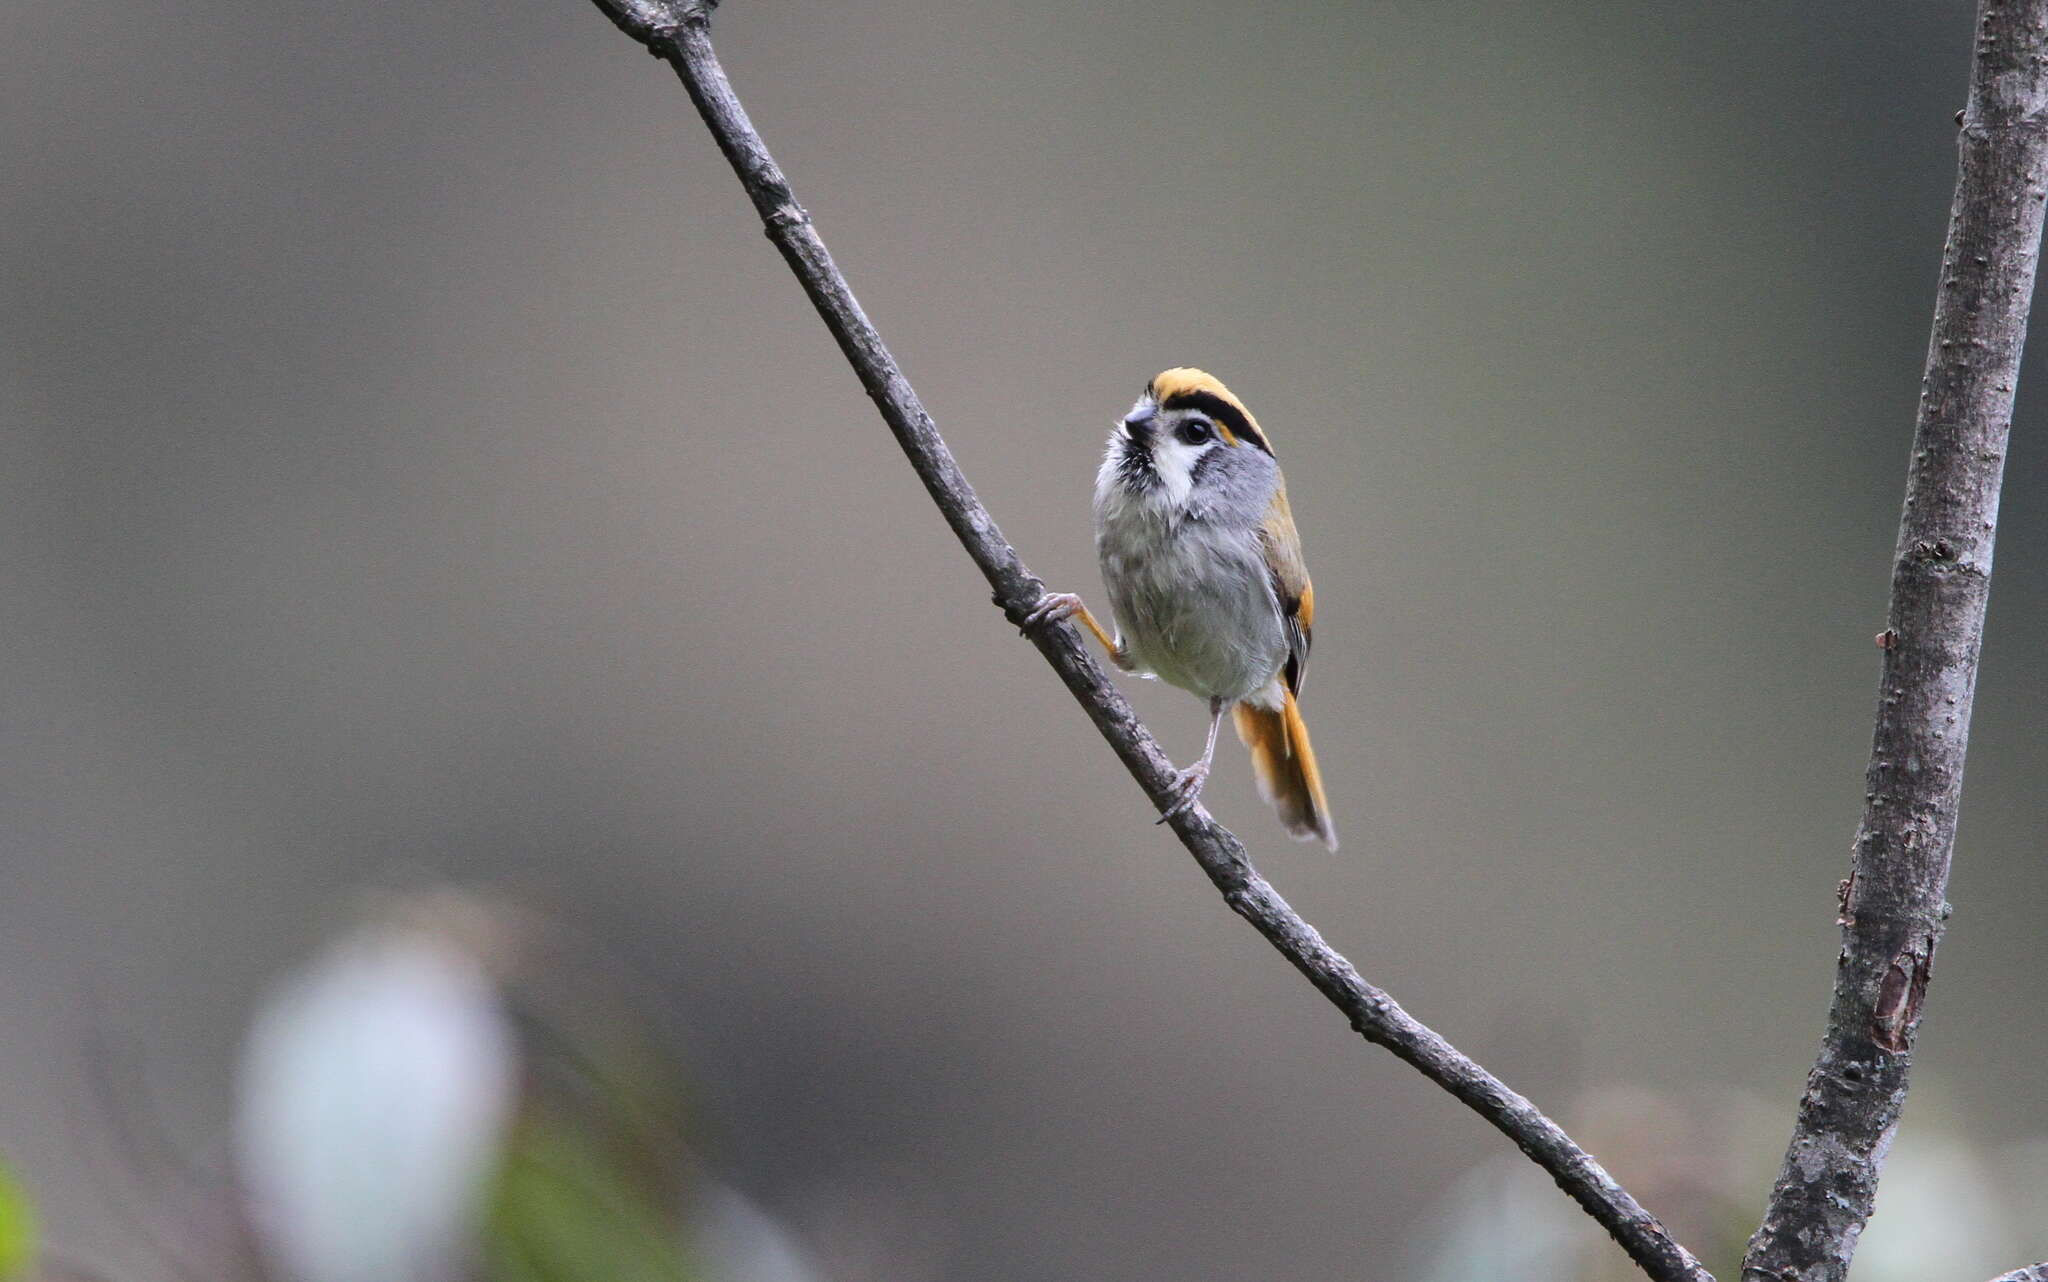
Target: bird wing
x=1281 y=544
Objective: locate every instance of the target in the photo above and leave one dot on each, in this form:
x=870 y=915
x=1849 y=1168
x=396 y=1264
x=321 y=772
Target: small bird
x=1206 y=583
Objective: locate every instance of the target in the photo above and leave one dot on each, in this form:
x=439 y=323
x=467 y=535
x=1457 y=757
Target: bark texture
x=1893 y=904
x=677 y=32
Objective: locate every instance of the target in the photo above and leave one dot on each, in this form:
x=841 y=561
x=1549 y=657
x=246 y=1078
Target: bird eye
x=1194 y=432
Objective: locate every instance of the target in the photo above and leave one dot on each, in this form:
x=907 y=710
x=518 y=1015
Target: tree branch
x=1893 y=905
x=676 y=31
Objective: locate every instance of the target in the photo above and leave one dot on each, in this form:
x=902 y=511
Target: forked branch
x=677 y=32
x=1894 y=902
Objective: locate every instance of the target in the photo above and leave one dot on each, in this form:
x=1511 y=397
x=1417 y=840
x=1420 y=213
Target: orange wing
x=1282 y=546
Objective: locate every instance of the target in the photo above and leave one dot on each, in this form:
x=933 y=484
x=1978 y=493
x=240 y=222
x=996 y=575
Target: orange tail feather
x=1286 y=767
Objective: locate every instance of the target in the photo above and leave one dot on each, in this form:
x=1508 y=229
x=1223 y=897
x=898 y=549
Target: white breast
x=1194 y=601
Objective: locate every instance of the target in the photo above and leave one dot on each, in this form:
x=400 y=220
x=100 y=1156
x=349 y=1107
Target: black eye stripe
x=1223 y=412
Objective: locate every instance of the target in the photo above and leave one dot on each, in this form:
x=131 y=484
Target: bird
x=1207 y=586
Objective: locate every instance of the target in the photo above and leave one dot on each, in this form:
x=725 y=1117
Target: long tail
x=1286 y=767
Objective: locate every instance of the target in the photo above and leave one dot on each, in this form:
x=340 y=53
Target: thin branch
x=1893 y=904
x=676 y=31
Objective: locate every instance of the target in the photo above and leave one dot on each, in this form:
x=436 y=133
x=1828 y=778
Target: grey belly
x=1199 y=617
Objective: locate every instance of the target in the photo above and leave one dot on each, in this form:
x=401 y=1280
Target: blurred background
x=418 y=468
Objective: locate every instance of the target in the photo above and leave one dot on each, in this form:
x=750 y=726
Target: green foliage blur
x=565 y=1209
x=17 y=1227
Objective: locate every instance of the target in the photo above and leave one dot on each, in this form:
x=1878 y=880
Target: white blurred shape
x=1939 y=1213
x=374 y=1094
x=740 y=1242
x=1502 y=1222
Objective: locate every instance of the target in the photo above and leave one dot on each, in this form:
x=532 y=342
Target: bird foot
x=1053 y=607
x=1186 y=789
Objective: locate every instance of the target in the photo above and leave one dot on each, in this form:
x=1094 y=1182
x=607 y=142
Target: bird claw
x=1053 y=607
x=1186 y=789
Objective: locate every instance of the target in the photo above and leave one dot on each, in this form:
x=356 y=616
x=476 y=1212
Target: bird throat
x=1135 y=470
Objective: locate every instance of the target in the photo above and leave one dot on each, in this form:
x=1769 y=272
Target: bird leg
x=1058 y=607
x=1187 y=784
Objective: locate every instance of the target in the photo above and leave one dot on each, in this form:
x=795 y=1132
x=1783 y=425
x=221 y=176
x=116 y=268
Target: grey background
x=417 y=464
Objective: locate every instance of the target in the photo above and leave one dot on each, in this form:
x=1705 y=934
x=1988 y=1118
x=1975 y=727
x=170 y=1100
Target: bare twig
x=1893 y=905
x=676 y=31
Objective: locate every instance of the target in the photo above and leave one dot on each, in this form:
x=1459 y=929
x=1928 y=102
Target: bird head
x=1188 y=443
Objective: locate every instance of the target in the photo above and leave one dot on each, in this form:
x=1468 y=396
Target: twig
x=1893 y=905
x=676 y=31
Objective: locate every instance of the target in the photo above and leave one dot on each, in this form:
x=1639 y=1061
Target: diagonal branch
x=676 y=31
x=1893 y=904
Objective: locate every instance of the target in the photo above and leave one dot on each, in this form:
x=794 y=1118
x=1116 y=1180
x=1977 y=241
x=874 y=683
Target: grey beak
x=1138 y=423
